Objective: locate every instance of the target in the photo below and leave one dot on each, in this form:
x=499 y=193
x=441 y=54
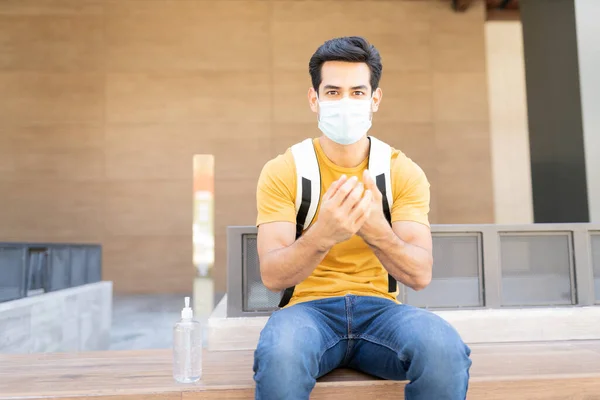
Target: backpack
x=308 y=189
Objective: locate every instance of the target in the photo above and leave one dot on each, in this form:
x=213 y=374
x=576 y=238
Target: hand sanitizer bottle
x=187 y=347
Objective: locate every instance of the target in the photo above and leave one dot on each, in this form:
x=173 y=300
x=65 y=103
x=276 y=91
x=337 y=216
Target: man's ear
x=313 y=100
x=377 y=95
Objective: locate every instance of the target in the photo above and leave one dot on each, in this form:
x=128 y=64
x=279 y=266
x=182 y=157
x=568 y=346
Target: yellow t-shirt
x=350 y=267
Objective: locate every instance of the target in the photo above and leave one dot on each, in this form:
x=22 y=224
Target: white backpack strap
x=308 y=194
x=380 y=158
x=308 y=184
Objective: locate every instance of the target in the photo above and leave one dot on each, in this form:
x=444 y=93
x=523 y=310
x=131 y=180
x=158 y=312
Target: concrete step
x=506 y=325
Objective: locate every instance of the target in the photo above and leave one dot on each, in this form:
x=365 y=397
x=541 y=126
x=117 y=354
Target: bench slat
x=499 y=371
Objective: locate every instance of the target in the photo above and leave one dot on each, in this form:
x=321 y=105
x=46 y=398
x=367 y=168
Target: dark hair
x=350 y=49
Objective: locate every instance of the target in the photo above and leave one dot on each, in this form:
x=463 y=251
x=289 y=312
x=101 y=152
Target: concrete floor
x=146 y=321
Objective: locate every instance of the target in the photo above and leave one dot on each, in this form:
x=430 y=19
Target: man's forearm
x=288 y=266
x=409 y=264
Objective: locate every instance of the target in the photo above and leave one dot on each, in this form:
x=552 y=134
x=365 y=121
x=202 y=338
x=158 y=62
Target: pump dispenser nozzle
x=187 y=312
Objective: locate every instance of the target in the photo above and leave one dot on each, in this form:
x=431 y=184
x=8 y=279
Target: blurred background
x=141 y=126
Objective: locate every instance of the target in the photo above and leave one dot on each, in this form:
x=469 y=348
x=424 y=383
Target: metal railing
x=475 y=266
x=28 y=269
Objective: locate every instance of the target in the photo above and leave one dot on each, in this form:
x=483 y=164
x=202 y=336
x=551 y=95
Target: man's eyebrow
x=359 y=87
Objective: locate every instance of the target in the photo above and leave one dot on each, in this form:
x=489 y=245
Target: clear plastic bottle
x=187 y=347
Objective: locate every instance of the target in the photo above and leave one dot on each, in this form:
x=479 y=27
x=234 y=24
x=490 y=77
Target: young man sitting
x=338 y=261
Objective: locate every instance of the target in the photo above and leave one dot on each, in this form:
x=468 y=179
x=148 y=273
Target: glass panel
x=456 y=281
x=256 y=296
x=60 y=270
x=11 y=273
x=78 y=266
x=37 y=260
x=596 y=264
x=94 y=266
x=536 y=269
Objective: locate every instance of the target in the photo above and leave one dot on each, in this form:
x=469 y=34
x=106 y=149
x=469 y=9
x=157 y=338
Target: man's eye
x=332 y=93
x=359 y=93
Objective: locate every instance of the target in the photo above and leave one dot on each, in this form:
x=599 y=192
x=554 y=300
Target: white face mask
x=345 y=121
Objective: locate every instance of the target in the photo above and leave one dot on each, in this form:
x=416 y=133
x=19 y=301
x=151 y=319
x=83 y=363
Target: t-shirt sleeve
x=276 y=191
x=411 y=190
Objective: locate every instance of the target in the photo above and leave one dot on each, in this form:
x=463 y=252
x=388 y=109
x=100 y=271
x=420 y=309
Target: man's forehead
x=346 y=73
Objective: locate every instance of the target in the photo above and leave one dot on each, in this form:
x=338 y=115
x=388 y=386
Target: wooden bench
x=548 y=371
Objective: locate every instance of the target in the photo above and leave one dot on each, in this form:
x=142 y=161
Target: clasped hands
x=351 y=207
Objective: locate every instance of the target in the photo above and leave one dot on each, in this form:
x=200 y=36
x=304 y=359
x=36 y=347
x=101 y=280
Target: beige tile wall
x=104 y=102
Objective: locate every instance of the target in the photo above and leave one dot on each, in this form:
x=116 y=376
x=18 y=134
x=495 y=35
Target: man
x=341 y=313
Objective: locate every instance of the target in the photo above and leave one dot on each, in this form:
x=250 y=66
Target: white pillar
x=511 y=168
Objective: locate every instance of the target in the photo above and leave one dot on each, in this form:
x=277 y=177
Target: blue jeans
x=305 y=341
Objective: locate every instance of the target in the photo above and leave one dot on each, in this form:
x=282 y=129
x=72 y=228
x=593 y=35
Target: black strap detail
x=304 y=206
x=380 y=182
x=392 y=284
x=286 y=296
x=300 y=221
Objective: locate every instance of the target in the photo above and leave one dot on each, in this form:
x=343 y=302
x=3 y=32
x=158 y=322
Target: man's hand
x=376 y=225
x=345 y=207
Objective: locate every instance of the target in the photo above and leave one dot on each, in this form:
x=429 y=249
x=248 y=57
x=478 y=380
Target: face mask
x=345 y=121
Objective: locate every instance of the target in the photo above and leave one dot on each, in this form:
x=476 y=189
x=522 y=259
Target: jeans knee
x=442 y=348
x=449 y=358
x=284 y=360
